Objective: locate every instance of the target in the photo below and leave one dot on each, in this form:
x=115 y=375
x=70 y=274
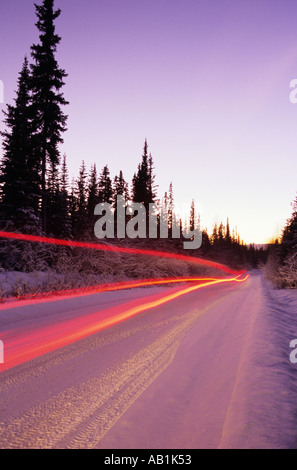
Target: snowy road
x=209 y=369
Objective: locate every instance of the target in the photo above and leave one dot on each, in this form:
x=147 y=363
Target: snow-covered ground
x=16 y=284
x=210 y=369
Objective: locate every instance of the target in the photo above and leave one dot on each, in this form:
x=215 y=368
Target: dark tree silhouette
x=47 y=98
x=105 y=186
x=19 y=168
x=79 y=213
x=143 y=180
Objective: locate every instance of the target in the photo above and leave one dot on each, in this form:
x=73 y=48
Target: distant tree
x=192 y=220
x=59 y=220
x=221 y=234
x=105 y=186
x=152 y=188
x=170 y=209
x=52 y=200
x=47 y=98
x=143 y=180
x=143 y=186
x=66 y=231
x=120 y=188
x=215 y=236
x=206 y=244
x=79 y=205
x=227 y=234
x=92 y=198
x=289 y=235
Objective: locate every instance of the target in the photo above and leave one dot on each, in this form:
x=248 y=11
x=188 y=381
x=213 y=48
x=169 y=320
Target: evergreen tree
x=79 y=212
x=143 y=180
x=289 y=236
x=227 y=234
x=47 y=98
x=59 y=221
x=105 y=186
x=206 y=244
x=143 y=189
x=192 y=221
x=215 y=236
x=151 y=181
x=221 y=234
x=65 y=201
x=93 y=198
x=170 y=209
x=19 y=168
x=52 y=197
x=120 y=188
x=92 y=190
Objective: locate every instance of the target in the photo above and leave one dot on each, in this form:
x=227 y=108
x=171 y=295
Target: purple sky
x=206 y=82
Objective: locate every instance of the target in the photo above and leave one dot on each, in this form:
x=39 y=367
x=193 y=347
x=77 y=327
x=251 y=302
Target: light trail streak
x=82 y=291
x=120 y=249
x=20 y=348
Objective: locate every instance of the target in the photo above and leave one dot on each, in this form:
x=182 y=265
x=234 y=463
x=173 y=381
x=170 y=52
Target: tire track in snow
x=227 y=426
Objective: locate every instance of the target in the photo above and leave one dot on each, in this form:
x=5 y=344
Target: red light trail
x=82 y=291
x=22 y=347
x=119 y=249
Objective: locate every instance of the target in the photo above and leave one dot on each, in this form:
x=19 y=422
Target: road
x=185 y=374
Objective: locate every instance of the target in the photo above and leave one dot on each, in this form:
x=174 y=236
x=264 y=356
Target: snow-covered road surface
x=210 y=369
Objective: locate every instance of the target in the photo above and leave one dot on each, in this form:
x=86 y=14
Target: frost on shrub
x=288 y=271
x=282 y=273
x=23 y=256
x=271 y=269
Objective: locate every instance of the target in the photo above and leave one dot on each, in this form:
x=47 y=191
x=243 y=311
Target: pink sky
x=206 y=82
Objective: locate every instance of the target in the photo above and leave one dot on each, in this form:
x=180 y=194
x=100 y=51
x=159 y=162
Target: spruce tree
x=227 y=234
x=47 y=98
x=151 y=181
x=64 y=205
x=19 y=168
x=59 y=222
x=215 y=236
x=221 y=235
x=52 y=196
x=79 y=205
x=105 y=186
x=192 y=220
x=170 y=209
x=93 y=199
x=120 y=188
x=143 y=189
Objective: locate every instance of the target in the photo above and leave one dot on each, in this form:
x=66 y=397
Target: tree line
x=36 y=196
x=281 y=266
